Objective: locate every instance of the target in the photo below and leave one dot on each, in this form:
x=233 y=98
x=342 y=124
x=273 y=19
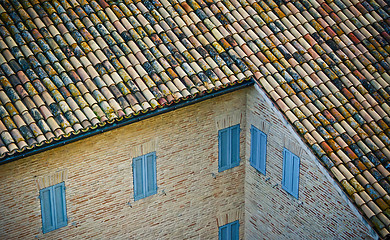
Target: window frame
x=291 y=161
x=231 y=163
x=229 y=230
x=258 y=160
x=145 y=173
x=53 y=207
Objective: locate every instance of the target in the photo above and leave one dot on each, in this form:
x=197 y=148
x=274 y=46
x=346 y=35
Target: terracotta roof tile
x=71 y=66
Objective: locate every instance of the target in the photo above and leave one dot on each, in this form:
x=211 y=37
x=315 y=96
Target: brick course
x=99 y=186
x=190 y=202
x=272 y=213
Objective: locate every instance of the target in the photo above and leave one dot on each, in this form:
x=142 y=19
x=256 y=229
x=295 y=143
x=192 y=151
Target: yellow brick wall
x=190 y=202
x=270 y=212
x=193 y=199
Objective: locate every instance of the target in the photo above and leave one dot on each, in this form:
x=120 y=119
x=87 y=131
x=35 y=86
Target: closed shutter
x=48 y=221
x=229 y=147
x=223 y=155
x=290 y=181
x=150 y=172
x=295 y=184
x=138 y=178
x=229 y=231
x=258 y=156
x=287 y=171
x=262 y=152
x=234 y=230
x=254 y=148
x=224 y=232
x=60 y=205
x=144 y=176
x=235 y=145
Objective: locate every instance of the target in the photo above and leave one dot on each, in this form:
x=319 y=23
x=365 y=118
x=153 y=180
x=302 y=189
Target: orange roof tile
x=69 y=66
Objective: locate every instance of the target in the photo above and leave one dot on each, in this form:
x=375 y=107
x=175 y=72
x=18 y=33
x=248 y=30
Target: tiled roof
x=70 y=66
x=329 y=74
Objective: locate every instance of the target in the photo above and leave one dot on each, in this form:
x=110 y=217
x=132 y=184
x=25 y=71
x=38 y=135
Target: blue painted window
x=144 y=176
x=229 y=147
x=229 y=231
x=258 y=156
x=290 y=181
x=53 y=207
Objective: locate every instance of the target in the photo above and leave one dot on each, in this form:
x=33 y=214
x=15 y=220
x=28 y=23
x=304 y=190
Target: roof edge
x=337 y=186
x=111 y=126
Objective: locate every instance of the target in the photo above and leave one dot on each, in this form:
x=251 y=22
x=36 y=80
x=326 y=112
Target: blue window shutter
x=48 y=221
x=287 y=170
x=138 y=178
x=223 y=145
x=235 y=145
x=229 y=147
x=254 y=147
x=262 y=152
x=150 y=173
x=258 y=156
x=60 y=205
x=234 y=230
x=144 y=176
x=290 y=181
x=224 y=232
x=229 y=231
x=295 y=184
x=53 y=207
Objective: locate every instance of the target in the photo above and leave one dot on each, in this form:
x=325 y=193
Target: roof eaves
x=123 y=122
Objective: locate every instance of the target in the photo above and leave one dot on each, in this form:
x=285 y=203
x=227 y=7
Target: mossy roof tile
x=69 y=66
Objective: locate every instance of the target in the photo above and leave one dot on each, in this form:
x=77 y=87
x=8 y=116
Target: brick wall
x=270 y=212
x=192 y=199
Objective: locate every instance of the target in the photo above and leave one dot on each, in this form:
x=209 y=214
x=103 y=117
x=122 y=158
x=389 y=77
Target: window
x=229 y=231
x=290 y=181
x=258 y=149
x=53 y=207
x=229 y=147
x=144 y=176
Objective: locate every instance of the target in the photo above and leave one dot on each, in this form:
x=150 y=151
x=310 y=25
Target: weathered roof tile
x=108 y=60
